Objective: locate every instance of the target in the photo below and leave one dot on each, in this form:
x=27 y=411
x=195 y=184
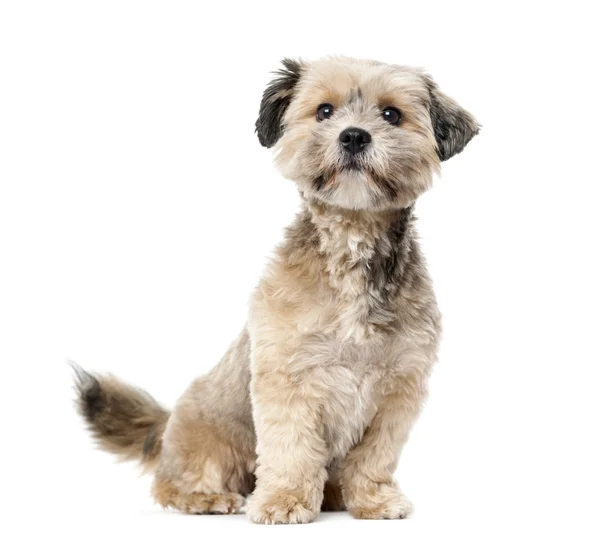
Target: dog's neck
x=363 y=258
x=363 y=250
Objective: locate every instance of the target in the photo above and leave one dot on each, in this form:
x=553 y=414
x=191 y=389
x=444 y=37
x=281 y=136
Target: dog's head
x=360 y=134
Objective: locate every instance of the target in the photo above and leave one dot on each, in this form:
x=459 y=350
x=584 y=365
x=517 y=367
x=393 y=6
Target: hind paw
x=228 y=503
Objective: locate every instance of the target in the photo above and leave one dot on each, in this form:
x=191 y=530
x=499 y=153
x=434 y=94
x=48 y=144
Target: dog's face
x=360 y=134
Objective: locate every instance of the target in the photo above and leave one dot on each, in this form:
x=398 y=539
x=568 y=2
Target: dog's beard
x=348 y=188
x=353 y=184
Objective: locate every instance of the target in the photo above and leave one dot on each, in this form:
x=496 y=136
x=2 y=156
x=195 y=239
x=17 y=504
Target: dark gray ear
x=275 y=100
x=453 y=126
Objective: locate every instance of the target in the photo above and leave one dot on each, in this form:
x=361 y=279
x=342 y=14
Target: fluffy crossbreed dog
x=311 y=405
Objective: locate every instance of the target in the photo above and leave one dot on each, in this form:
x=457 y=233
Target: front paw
x=386 y=503
x=278 y=507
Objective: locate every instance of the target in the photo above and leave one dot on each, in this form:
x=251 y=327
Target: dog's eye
x=324 y=111
x=392 y=115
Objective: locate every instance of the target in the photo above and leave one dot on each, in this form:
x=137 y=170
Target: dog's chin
x=348 y=188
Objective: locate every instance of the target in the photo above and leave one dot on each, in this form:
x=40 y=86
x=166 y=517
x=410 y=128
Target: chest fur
x=347 y=273
x=330 y=310
x=349 y=391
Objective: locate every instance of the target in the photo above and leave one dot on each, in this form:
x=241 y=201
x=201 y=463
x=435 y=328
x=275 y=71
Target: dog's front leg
x=368 y=485
x=290 y=445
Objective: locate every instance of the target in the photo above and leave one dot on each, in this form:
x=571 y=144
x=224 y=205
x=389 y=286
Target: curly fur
x=312 y=404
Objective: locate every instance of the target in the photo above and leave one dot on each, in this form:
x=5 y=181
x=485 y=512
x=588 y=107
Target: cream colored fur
x=313 y=403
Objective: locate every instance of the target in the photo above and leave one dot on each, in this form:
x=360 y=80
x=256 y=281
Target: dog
x=311 y=405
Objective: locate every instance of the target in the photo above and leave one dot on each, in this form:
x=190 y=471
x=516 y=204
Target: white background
x=137 y=209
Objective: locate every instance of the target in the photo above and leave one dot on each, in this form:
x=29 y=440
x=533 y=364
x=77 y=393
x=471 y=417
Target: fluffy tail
x=122 y=419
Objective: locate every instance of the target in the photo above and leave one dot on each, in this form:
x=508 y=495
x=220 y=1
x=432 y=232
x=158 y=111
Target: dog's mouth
x=351 y=164
x=328 y=176
x=328 y=180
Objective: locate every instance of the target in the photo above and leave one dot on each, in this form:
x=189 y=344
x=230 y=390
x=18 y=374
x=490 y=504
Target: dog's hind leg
x=208 y=456
x=202 y=472
x=168 y=496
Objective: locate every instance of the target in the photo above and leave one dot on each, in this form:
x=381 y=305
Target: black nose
x=354 y=139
